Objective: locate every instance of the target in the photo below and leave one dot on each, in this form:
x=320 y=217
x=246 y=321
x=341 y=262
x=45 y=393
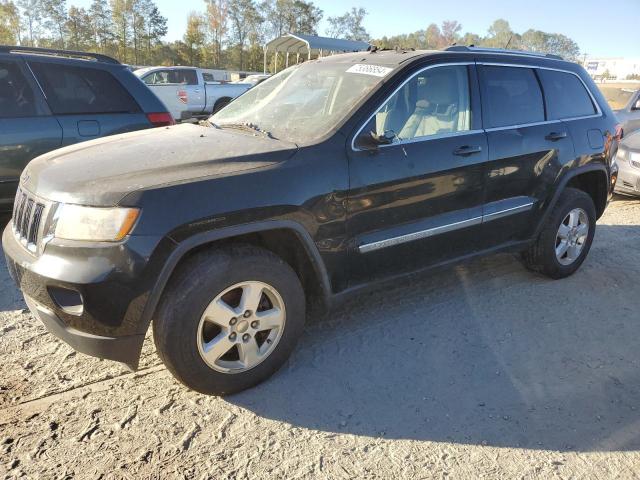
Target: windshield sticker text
x=375 y=70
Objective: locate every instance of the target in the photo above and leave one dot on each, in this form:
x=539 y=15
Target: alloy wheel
x=572 y=236
x=241 y=327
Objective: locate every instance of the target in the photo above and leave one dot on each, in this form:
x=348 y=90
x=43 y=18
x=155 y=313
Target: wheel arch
x=220 y=101
x=591 y=179
x=275 y=236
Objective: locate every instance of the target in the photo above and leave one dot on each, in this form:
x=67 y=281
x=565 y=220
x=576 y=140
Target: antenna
x=507 y=45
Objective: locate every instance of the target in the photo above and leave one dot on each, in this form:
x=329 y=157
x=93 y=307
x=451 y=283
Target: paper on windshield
x=374 y=70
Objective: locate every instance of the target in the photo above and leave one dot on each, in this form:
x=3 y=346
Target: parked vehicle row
x=624 y=99
x=188 y=92
x=48 y=101
x=328 y=178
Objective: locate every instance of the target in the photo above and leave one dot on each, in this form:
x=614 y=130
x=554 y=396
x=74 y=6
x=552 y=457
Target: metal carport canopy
x=311 y=45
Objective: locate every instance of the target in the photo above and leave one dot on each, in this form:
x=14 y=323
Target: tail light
x=182 y=96
x=161 y=119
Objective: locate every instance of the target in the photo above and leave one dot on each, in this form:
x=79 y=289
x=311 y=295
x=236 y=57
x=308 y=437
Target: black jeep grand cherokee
x=330 y=176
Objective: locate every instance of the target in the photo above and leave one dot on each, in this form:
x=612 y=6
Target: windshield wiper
x=244 y=126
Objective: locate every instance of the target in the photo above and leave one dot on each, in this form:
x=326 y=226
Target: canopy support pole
x=265 y=62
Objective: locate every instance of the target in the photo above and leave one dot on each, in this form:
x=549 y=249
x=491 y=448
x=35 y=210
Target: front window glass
x=302 y=103
x=16 y=96
x=433 y=102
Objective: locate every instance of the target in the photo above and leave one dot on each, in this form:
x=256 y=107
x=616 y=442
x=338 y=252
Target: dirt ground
x=479 y=371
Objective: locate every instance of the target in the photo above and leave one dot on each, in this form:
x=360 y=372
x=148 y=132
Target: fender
x=562 y=185
x=203 y=238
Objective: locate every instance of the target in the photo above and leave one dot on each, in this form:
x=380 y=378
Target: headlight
x=634 y=159
x=75 y=222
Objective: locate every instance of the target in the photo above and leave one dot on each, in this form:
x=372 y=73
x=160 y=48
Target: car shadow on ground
x=486 y=353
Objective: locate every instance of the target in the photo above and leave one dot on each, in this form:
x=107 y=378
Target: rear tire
x=566 y=238
x=204 y=339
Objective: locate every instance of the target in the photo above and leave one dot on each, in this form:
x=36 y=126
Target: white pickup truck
x=190 y=92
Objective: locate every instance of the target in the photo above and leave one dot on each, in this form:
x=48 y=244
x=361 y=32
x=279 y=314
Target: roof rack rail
x=59 y=53
x=473 y=48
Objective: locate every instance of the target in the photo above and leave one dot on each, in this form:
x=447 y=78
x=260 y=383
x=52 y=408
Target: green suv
x=54 y=98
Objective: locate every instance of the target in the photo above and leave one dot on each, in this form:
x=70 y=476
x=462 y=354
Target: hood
x=101 y=172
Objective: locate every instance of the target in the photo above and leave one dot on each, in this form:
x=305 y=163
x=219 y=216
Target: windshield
x=301 y=103
x=617 y=97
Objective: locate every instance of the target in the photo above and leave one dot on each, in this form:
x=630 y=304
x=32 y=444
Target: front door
x=417 y=201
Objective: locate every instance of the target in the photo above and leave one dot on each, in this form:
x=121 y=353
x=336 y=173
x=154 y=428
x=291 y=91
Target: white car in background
x=189 y=92
x=624 y=100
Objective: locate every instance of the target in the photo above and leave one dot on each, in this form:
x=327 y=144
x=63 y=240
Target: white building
x=618 y=68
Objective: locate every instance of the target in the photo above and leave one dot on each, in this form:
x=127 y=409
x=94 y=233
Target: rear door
x=188 y=78
x=88 y=102
x=27 y=128
x=526 y=152
x=418 y=201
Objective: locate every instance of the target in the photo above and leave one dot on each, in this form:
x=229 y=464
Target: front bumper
x=628 y=178
x=121 y=349
x=92 y=296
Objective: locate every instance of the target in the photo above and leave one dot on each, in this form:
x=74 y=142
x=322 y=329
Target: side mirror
x=372 y=141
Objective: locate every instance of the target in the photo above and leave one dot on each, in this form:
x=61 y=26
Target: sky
x=600 y=27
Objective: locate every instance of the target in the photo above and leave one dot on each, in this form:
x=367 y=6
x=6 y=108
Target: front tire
x=229 y=319
x=566 y=238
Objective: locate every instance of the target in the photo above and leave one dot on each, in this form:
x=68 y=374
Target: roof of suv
x=67 y=54
x=396 y=57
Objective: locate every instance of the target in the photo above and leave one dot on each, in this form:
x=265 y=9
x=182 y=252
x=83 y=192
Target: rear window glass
x=565 y=95
x=513 y=96
x=16 y=96
x=78 y=90
x=181 y=77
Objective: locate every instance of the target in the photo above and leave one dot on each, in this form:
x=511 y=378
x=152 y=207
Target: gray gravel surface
x=480 y=370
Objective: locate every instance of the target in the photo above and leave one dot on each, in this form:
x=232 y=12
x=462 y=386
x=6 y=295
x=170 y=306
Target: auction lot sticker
x=375 y=70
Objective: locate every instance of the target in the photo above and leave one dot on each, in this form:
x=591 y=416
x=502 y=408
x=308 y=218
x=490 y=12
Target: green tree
x=217 y=27
x=55 y=19
x=32 y=18
x=349 y=26
x=156 y=28
x=101 y=25
x=195 y=37
x=78 y=28
x=9 y=23
x=121 y=15
x=450 y=32
x=500 y=35
x=245 y=21
x=290 y=16
x=433 y=37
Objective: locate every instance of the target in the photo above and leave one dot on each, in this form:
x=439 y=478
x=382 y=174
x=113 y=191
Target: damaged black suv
x=333 y=175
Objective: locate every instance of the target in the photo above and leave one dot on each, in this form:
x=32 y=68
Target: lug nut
x=254 y=324
x=233 y=321
x=245 y=337
x=232 y=337
x=247 y=314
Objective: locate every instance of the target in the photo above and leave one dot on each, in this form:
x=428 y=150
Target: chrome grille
x=28 y=214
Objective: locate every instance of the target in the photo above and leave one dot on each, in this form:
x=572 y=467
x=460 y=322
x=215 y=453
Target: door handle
x=467 y=150
x=555 y=136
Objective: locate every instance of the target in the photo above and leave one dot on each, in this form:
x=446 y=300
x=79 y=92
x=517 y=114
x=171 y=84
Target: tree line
x=227 y=33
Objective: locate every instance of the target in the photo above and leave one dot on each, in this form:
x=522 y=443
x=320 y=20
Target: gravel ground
x=482 y=370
